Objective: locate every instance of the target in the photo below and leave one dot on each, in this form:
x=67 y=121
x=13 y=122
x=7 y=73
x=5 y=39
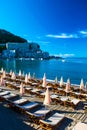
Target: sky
x=58 y=26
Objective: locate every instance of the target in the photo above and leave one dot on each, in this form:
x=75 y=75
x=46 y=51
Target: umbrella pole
x=45 y=107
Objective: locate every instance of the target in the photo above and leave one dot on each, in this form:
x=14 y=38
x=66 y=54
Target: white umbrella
x=22 y=90
x=67 y=86
x=47 y=99
x=29 y=76
x=56 y=80
x=44 y=80
x=2 y=82
x=82 y=84
x=26 y=78
x=61 y=82
x=2 y=70
x=4 y=74
x=10 y=72
x=19 y=73
x=13 y=76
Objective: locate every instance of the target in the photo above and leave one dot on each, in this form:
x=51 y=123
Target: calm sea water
x=74 y=68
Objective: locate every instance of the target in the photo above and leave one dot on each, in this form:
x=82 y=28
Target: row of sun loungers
x=63 y=100
x=32 y=90
x=23 y=105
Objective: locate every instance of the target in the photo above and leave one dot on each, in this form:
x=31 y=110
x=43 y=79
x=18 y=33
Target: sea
x=74 y=69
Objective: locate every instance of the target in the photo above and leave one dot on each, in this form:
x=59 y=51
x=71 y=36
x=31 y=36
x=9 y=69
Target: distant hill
x=6 y=36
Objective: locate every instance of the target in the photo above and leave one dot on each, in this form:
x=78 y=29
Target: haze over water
x=73 y=68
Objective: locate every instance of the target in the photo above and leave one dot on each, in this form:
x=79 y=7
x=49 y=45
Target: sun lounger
x=0 y=90
x=4 y=93
x=75 y=102
x=52 y=122
x=20 y=101
x=29 y=105
x=85 y=109
x=9 y=96
x=37 y=115
x=41 y=112
x=22 y=106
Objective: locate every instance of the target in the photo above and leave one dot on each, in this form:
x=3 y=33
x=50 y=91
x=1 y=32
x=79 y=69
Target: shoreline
x=76 y=85
x=48 y=80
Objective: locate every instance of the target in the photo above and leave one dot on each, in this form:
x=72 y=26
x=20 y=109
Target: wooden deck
x=72 y=116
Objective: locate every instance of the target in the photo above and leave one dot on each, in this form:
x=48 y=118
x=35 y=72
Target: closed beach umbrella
x=10 y=72
x=61 y=82
x=13 y=76
x=44 y=80
x=47 y=99
x=4 y=74
x=68 y=81
x=22 y=90
x=26 y=78
x=19 y=73
x=2 y=70
x=56 y=80
x=29 y=76
x=2 y=82
x=67 y=86
x=82 y=84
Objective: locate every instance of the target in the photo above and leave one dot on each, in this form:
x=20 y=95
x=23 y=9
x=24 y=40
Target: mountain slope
x=6 y=36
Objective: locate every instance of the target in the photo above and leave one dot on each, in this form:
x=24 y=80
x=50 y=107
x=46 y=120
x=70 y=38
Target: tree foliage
x=6 y=36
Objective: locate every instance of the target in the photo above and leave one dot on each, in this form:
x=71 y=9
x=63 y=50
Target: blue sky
x=58 y=26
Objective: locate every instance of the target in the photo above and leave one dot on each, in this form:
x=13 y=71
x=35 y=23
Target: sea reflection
x=68 y=69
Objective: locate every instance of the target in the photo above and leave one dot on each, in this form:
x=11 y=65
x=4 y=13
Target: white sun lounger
x=0 y=90
x=29 y=105
x=4 y=93
x=9 y=96
x=20 y=101
x=40 y=113
x=75 y=101
x=52 y=121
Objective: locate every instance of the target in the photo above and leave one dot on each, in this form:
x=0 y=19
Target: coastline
x=76 y=85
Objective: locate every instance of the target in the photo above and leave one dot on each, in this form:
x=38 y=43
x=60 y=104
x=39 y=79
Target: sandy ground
x=11 y=120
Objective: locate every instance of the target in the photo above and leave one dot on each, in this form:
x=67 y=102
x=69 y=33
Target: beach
x=12 y=119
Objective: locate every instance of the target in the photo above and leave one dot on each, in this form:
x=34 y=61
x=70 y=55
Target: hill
x=6 y=36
